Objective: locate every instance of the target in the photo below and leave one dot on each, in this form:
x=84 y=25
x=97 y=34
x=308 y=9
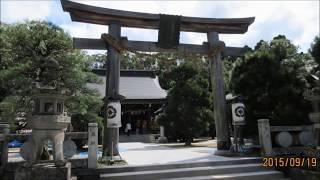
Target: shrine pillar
x=111 y=130
x=216 y=74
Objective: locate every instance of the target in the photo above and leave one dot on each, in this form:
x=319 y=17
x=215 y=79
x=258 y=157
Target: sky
x=297 y=20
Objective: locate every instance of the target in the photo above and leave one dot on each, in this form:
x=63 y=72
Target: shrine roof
x=98 y=15
x=138 y=86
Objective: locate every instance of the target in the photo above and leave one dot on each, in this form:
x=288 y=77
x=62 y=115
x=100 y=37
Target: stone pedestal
x=46 y=171
x=31 y=150
x=162 y=140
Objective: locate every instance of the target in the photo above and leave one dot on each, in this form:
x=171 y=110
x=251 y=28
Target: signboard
x=114 y=114
x=238 y=112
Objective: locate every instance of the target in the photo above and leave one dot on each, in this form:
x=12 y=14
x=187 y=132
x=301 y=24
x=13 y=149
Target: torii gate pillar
x=221 y=124
x=111 y=133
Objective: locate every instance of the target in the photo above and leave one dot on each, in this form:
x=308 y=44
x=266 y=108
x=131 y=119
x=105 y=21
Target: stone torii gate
x=169 y=28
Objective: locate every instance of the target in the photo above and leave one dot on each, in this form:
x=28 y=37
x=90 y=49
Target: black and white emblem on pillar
x=238 y=114
x=239 y=111
x=114 y=114
x=111 y=112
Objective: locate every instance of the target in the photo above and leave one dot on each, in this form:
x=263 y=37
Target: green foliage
x=23 y=47
x=227 y=65
x=314 y=85
x=162 y=63
x=188 y=113
x=315 y=49
x=272 y=79
x=140 y=61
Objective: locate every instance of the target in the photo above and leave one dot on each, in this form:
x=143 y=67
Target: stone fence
x=69 y=135
x=273 y=138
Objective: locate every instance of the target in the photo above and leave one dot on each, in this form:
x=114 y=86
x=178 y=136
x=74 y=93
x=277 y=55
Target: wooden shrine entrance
x=169 y=28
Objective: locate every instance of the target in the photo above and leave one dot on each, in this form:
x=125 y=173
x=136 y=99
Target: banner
x=238 y=114
x=114 y=114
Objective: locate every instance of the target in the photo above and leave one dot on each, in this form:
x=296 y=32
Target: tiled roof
x=135 y=85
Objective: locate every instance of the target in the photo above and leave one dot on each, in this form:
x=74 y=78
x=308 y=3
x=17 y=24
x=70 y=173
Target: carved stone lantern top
x=49 y=99
x=49 y=104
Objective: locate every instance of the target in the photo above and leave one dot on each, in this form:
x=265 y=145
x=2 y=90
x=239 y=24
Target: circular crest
x=111 y=112
x=239 y=111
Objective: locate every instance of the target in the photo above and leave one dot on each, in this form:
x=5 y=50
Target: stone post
x=92 y=145
x=4 y=147
x=162 y=138
x=161 y=131
x=221 y=123
x=265 y=137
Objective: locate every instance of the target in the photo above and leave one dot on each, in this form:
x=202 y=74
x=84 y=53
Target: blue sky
x=298 y=20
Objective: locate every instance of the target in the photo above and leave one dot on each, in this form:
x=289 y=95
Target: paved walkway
x=137 y=153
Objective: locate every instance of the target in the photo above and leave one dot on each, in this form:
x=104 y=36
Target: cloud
x=77 y=29
x=13 y=11
x=298 y=20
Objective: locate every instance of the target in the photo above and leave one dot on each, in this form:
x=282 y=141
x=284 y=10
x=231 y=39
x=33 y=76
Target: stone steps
x=132 y=168
x=261 y=175
x=231 y=169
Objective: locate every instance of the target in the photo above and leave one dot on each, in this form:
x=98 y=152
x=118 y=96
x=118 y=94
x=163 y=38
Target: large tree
x=315 y=49
x=315 y=52
x=23 y=49
x=272 y=79
x=189 y=110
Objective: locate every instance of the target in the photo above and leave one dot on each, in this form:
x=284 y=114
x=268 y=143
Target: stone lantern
x=49 y=119
x=49 y=113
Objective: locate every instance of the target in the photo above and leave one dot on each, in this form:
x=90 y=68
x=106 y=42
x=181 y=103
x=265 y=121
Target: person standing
x=128 y=128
